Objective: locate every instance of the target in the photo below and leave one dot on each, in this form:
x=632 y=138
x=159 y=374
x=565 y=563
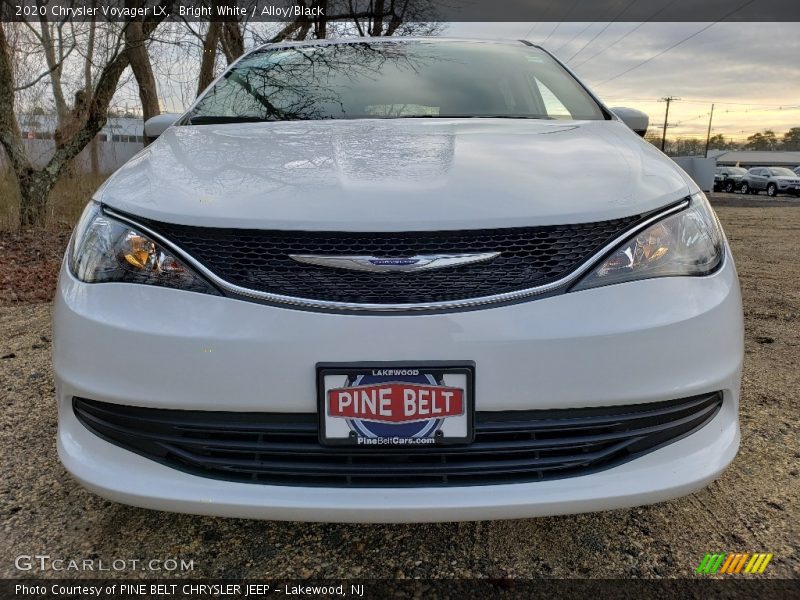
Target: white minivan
x=397 y=280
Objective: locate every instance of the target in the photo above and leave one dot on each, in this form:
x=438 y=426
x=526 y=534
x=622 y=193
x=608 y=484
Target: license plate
x=392 y=404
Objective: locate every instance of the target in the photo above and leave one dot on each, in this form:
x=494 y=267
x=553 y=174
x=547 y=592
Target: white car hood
x=395 y=175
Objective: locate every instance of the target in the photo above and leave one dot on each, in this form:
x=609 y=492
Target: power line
x=550 y=34
x=702 y=101
x=739 y=135
x=537 y=23
x=564 y=18
x=573 y=38
x=530 y=31
x=783 y=108
x=778 y=106
x=673 y=46
x=679 y=123
x=599 y=33
x=639 y=26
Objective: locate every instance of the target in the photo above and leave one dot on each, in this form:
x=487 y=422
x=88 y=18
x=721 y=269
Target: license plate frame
x=453 y=429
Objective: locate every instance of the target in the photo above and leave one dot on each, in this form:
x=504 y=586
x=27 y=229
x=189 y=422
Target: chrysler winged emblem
x=401 y=264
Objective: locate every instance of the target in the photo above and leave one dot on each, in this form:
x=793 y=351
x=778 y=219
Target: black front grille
x=259 y=260
x=509 y=447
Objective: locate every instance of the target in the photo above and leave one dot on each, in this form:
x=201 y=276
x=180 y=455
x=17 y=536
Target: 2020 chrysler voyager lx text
x=397 y=280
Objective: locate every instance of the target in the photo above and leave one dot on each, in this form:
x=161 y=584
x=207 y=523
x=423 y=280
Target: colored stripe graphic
x=731 y=560
x=740 y=564
x=734 y=563
x=710 y=563
x=758 y=563
x=704 y=564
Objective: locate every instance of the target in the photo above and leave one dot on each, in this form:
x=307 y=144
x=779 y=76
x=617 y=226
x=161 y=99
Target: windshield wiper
x=474 y=117
x=211 y=119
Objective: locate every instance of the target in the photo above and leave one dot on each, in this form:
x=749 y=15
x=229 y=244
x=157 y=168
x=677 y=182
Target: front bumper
x=632 y=343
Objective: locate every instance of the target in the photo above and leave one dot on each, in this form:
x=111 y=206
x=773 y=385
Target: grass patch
x=67 y=199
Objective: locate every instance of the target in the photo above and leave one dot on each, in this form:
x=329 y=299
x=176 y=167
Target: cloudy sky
x=750 y=70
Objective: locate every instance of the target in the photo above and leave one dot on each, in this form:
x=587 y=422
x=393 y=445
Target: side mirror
x=635 y=119
x=155 y=126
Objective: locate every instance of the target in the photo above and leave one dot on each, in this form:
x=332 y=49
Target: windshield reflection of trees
x=213 y=160
x=308 y=83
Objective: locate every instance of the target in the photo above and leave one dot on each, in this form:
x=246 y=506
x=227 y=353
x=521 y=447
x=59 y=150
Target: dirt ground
x=753 y=507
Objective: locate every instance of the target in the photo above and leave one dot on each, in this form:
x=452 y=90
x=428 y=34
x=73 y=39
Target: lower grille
x=509 y=447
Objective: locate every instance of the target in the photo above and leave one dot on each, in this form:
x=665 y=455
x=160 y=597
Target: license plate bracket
x=408 y=404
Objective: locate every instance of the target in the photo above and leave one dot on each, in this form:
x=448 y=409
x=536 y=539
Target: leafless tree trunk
x=377 y=22
x=94 y=149
x=11 y=138
x=89 y=57
x=321 y=24
x=55 y=66
x=232 y=40
x=136 y=49
x=83 y=124
x=209 y=58
x=397 y=17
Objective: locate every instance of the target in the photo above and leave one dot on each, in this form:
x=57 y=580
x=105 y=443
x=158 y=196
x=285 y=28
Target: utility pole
x=708 y=136
x=668 y=99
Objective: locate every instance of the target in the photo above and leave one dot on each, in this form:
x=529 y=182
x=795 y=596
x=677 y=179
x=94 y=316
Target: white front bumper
x=646 y=341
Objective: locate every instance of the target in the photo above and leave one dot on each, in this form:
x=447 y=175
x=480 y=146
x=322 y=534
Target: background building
x=755 y=158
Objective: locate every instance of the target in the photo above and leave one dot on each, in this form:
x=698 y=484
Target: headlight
x=105 y=250
x=687 y=243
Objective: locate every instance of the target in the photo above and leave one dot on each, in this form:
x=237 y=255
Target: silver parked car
x=773 y=180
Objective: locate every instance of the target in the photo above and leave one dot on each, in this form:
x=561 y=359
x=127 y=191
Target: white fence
x=698 y=168
x=110 y=156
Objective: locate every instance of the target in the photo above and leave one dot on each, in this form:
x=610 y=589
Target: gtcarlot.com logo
x=45 y=562
x=734 y=563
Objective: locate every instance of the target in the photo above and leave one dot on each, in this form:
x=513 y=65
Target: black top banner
x=407 y=10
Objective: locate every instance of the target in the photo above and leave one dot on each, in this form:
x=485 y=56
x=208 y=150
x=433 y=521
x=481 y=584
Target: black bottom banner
x=178 y=589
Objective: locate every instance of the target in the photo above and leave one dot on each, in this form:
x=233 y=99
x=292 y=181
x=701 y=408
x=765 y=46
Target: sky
x=750 y=71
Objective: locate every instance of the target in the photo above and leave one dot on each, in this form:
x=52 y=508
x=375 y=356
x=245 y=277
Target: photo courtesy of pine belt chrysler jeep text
x=397 y=280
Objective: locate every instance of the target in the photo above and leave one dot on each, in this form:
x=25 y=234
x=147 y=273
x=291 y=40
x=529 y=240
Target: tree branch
x=46 y=73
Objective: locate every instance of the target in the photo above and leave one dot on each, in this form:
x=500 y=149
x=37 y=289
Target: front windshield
x=781 y=172
x=395 y=79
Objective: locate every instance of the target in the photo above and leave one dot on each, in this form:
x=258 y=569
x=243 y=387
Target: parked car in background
x=773 y=180
x=728 y=179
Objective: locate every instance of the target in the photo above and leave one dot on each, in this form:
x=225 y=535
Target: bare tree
x=136 y=51
x=94 y=150
x=209 y=57
x=185 y=59
x=337 y=18
x=80 y=125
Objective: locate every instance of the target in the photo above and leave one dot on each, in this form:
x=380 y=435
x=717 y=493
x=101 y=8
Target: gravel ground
x=753 y=507
x=752 y=201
